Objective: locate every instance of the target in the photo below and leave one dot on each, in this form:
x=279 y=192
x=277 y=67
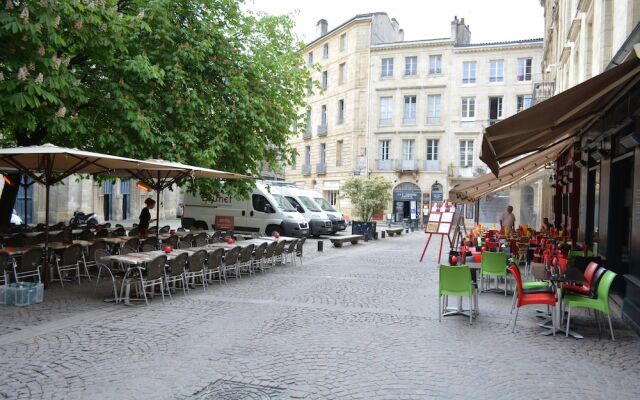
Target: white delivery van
x=319 y=222
x=261 y=212
x=336 y=217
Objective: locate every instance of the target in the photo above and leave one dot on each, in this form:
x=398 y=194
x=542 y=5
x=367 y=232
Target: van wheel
x=272 y=229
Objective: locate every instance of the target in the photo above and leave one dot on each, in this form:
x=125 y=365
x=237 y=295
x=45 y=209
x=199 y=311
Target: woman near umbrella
x=145 y=216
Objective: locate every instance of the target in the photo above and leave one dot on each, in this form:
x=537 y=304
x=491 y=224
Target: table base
x=573 y=334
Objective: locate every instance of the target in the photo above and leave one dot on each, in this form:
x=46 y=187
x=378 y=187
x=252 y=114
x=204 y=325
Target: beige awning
x=510 y=174
x=560 y=117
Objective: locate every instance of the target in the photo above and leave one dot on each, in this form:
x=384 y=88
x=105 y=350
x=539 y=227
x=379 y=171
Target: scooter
x=80 y=218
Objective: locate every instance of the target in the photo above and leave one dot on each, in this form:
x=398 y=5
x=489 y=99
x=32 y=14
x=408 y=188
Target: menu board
x=447 y=217
x=432 y=227
x=441 y=218
x=444 y=228
x=434 y=217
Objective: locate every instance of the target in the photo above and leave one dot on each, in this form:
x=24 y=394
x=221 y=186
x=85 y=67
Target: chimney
x=321 y=27
x=460 y=33
x=454 y=28
x=401 y=35
x=395 y=24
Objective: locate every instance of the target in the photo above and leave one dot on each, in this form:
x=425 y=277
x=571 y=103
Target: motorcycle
x=80 y=218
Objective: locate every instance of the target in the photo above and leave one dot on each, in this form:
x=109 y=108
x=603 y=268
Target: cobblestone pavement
x=358 y=322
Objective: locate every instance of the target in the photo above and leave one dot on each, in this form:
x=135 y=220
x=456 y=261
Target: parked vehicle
x=337 y=219
x=263 y=211
x=319 y=222
x=80 y=218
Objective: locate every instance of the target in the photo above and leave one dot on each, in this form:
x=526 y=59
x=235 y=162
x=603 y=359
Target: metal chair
x=105 y=265
x=134 y=232
x=89 y=259
x=171 y=241
x=17 y=240
x=246 y=260
x=69 y=262
x=258 y=257
x=214 y=266
x=29 y=265
x=268 y=260
x=175 y=273
x=5 y=260
x=231 y=262
x=119 y=231
x=188 y=238
x=184 y=245
x=217 y=236
x=86 y=235
x=290 y=251
x=102 y=233
x=278 y=254
x=299 y=248
x=195 y=269
x=148 y=247
x=200 y=239
x=151 y=241
x=127 y=250
x=152 y=276
x=165 y=229
x=133 y=243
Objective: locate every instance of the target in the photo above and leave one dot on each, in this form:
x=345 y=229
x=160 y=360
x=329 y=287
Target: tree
x=198 y=82
x=369 y=196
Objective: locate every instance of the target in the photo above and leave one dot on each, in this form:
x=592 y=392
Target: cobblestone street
x=359 y=322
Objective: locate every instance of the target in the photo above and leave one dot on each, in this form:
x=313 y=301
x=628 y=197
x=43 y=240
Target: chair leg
x=568 y=322
x=439 y=308
x=471 y=310
x=513 y=302
x=515 y=320
x=161 y=289
x=610 y=326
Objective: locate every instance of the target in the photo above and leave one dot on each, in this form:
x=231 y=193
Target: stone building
x=411 y=111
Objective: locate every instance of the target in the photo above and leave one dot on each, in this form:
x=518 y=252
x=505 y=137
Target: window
x=332 y=196
x=496 y=71
x=340 y=111
x=323 y=115
x=410 y=66
x=325 y=80
x=339 y=146
x=524 y=102
x=293 y=164
x=469 y=72
x=295 y=204
x=383 y=149
x=325 y=51
x=260 y=202
x=469 y=211
x=386 y=110
x=323 y=153
x=343 y=42
x=408 y=149
x=309 y=87
x=432 y=149
x=307 y=155
x=435 y=64
x=433 y=108
x=387 y=67
x=310 y=59
x=343 y=73
x=468 y=108
x=466 y=153
x=308 y=122
x=495 y=109
x=524 y=69
x=409 y=110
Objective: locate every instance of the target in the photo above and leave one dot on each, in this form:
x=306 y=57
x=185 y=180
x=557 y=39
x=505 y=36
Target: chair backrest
x=201 y=235
x=134 y=243
x=171 y=241
x=181 y=229
x=119 y=231
x=127 y=250
x=151 y=241
x=184 y=245
x=603 y=289
x=155 y=267
x=148 y=247
x=196 y=260
x=216 y=235
x=246 y=253
x=231 y=257
x=178 y=264
x=590 y=272
x=97 y=245
x=292 y=246
x=200 y=242
x=30 y=259
x=280 y=248
x=300 y=245
x=515 y=271
x=87 y=235
x=99 y=257
x=165 y=229
x=493 y=262
x=187 y=238
x=102 y=233
x=259 y=250
x=455 y=279
x=595 y=282
x=271 y=249
x=134 y=232
x=214 y=258
x=17 y=240
x=71 y=255
x=4 y=261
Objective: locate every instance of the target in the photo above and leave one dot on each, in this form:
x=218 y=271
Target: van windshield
x=283 y=203
x=324 y=204
x=311 y=206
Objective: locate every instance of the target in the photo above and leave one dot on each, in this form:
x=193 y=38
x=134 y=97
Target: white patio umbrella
x=49 y=165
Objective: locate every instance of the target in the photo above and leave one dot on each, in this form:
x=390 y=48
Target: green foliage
x=368 y=196
x=199 y=82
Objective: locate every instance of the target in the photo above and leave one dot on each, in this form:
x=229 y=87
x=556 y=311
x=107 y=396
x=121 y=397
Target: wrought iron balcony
x=432 y=165
x=407 y=165
x=542 y=91
x=322 y=130
x=306 y=169
x=385 y=165
x=321 y=168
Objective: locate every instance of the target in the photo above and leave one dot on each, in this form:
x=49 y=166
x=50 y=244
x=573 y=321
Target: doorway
x=107 y=190
x=24 y=201
x=125 y=190
x=406 y=198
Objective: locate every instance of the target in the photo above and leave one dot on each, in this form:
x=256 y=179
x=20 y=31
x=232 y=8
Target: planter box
x=363 y=228
x=21 y=294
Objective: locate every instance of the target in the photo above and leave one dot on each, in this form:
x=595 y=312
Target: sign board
x=413 y=208
x=224 y=222
x=406 y=196
x=377 y=217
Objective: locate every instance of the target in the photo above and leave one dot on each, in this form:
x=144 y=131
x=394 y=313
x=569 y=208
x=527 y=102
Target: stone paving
x=359 y=322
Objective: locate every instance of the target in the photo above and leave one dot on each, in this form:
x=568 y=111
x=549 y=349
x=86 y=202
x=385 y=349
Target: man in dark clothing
x=145 y=216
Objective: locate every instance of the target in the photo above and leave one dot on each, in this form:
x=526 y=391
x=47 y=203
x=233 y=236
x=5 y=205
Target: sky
x=489 y=20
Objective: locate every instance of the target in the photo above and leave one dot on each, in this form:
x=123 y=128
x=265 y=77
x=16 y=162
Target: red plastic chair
x=526 y=299
x=586 y=288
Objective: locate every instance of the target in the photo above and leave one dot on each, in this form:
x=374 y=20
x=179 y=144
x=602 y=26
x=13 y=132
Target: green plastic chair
x=494 y=264
x=455 y=281
x=600 y=303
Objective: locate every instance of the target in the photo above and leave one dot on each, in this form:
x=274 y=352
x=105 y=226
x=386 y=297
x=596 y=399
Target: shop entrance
x=406 y=202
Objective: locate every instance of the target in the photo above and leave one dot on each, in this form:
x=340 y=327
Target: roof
x=342 y=25
x=410 y=43
x=504 y=43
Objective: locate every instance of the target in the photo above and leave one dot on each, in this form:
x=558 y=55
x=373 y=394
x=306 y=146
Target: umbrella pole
x=45 y=264
x=24 y=193
x=158 y=216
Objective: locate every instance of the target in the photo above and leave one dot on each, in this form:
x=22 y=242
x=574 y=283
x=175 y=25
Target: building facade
x=411 y=111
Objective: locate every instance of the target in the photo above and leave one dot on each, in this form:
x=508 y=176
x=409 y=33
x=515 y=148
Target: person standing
x=145 y=216
x=508 y=220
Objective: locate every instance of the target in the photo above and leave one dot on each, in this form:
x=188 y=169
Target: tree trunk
x=8 y=199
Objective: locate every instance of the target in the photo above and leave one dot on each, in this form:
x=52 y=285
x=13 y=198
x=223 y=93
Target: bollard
x=412 y=228
x=406 y=230
x=320 y=245
x=375 y=235
x=382 y=234
x=366 y=236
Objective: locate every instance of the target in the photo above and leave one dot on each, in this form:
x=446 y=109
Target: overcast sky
x=489 y=20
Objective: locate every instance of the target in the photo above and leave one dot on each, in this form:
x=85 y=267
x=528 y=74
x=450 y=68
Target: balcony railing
x=321 y=168
x=542 y=91
x=432 y=165
x=460 y=172
x=306 y=169
x=307 y=133
x=322 y=130
x=385 y=165
x=409 y=120
x=407 y=165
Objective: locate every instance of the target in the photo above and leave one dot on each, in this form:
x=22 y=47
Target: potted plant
x=368 y=196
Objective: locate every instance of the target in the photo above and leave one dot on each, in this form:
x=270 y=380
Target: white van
x=261 y=212
x=336 y=217
x=319 y=222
